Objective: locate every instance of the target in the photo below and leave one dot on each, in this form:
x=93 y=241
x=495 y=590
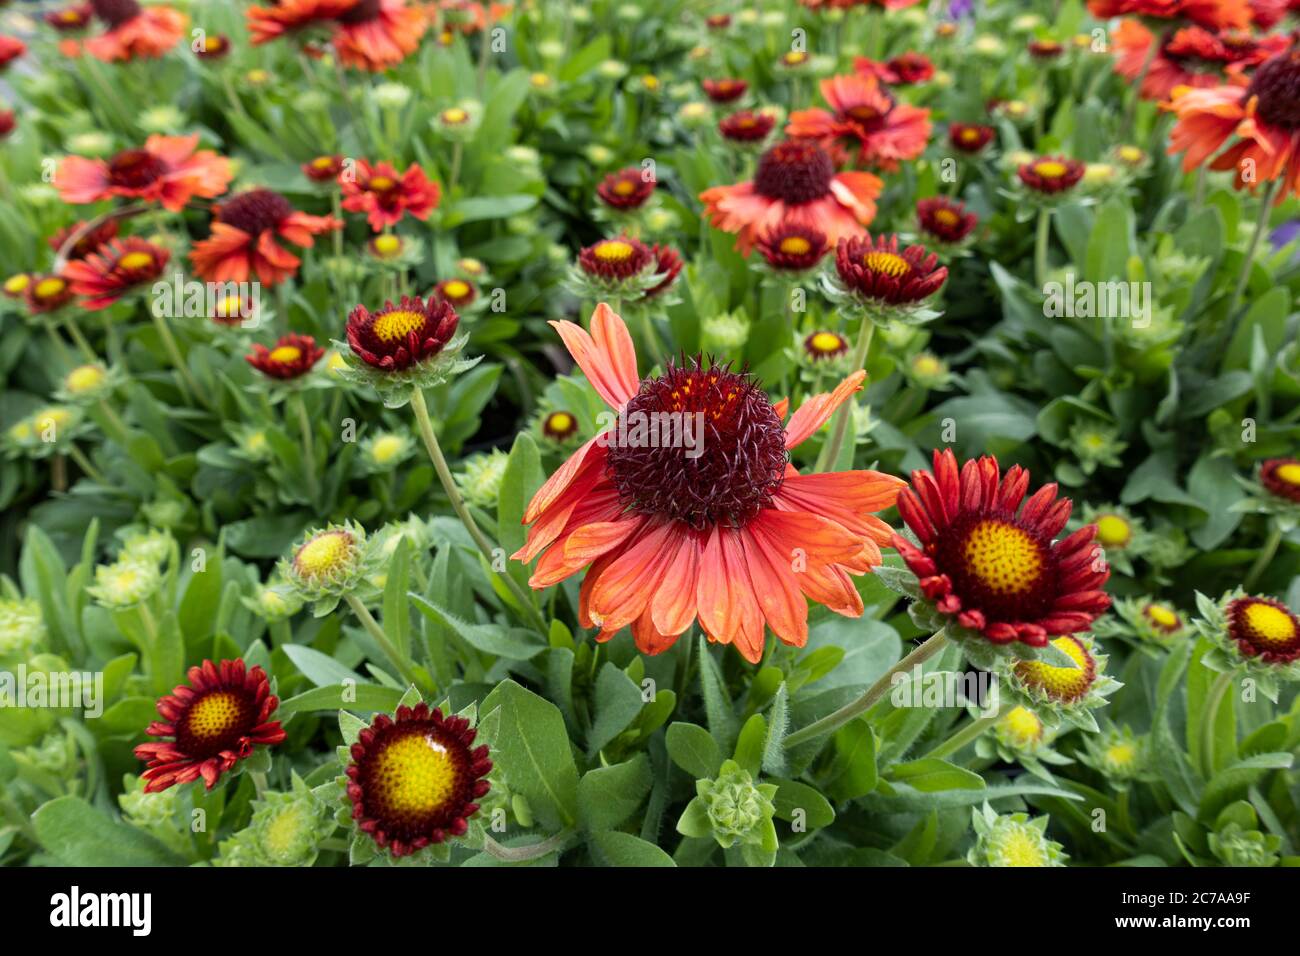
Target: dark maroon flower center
x=135 y=169
x=255 y=211
x=217 y=720
x=794 y=172
x=363 y=12
x=1277 y=85
x=700 y=444
x=115 y=12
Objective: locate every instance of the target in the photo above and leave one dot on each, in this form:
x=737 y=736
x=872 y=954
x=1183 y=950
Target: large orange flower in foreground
x=865 y=114
x=135 y=31
x=993 y=565
x=243 y=241
x=168 y=170
x=1262 y=120
x=795 y=183
x=720 y=528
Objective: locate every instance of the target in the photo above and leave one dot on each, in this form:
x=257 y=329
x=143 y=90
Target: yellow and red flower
x=824 y=346
x=945 y=220
x=791 y=247
x=668 y=265
x=970 y=138
x=47 y=293
x=1050 y=175
x=993 y=566
x=1262 y=120
x=1045 y=49
x=214 y=721
x=169 y=170
x=399 y=336
x=795 y=182
x=289 y=16
x=134 y=31
x=865 y=114
x=414 y=781
x=626 y=189
x=323 y=168
x=118 y=267
x=385 y=196
x=1192 y=57
x=70 y=18
x=1281 y=476
x=11 y=48
x=1211 y=14
x=456 y=292
x=560 y=426
x=906 y=69
x=1061 y=685
x=746 y=126
x=243 y=240
x=377 y=34
x=874 y=270
x=670 y=538
x=91 y=241
x=293 y=356
x=214 y=47
x=1264 y=630
x=724 y=91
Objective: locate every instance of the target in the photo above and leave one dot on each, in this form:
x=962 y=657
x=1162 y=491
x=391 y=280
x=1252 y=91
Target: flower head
x=385 y=196
x=378 y=34
x=213 y=722
x=323 y=168
x=1050 y=175
x=945 y=220
x=415 y=780
x=292 y=357
x=1066 y=682
x=168 y=170
x=455 y=292
x=124 y=583
x=328 y=564
x=89 y=238
x=559 y=426
x=671 y=535
x=1281 y=477
x=1257 y=635
x=724 y=91
x=1012 y=840
x=243 y=243
x=626 y=189
x=906 y=69
x=134 y=31
x=746 y=126
x=118 y=268
x=875 y=274
x=790 y=247
x=398 y=336
x=795 y=183
x=22 y=627
x=864 y=115
x=47 y=293
x=970 y=138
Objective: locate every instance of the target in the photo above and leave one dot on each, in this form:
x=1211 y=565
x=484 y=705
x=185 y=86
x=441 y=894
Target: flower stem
x=1209 y=718
x=308 y=449
x=830 y=453
x=84 y=464
x=400 y=660
x=462 y=512
x=973 y=730
x=1265 y=556
x=1041 y=241
x=831 y=722
x=1261 y=227
x=534 y=851
x=188 y=385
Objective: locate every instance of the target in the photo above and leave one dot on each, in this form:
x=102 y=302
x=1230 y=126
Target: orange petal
x=814 y=413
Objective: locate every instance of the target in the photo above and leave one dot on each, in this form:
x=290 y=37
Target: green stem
x=862 y=704
x=1209 y=718
x=830 y=453
x=399 y=660
x=1265 y=556
x=652 y=343
x=1261 y=227
x=89 y=470
x=189 y=386
x=972 y=730
x=1041 y=242
x=534 y=851
x=115 y=426
x=462 y=512
x=308 y=447
x=456 y=150
x=75 y=334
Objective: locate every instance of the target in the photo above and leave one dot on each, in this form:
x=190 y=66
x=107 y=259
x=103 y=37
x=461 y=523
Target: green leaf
x=778 y=723
x=693 y=749
x=623 y=849
x=751 y=744
x=717 y=704
x=516 y=644
x=618 y=702
x=365 y=698
x=78 y=834
x=531 y=746
x=793 y=797
x=607 y=796
x=930 y=775
x=397 y=615
x=853 y=771
x=321 y=669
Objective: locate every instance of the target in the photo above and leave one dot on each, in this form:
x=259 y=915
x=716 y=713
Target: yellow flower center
x=455 y=289
x=323 y=553
x=888 y=263
x=257 y=77
x=83 y=378
x=651 y=82
x=970 y=136
x=255 y=442
x=398 y=324
x=323 y=162
x=1022 y=725
x=539 y=80
x=48 y=288
x=1113 y=531
x=1021 y=849
x=1162 y=616
x=387 y=245
x=1050 y=169
x=418 y=774
x=560 y=422
x=1121 y=755
x=135 y=260
x=1130 y=154
x=826 y=342
x=472 y=266
x=794 y=58
x=1004 y=558
x=286 y=354
x=54 y=418
x=613 y=250
x=282 y=837
x=213 y=715
x=381 y=183
x=214 y=43
x=386 y=448
x=18 y=283
x=1271 y=624
x=1061 y=683
x=454 y=116
x=795 y=246
x=1290 y=473
x=927 y=365
x=624 y=188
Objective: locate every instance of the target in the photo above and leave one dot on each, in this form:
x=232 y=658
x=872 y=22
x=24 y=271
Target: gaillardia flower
x=864 y=114
x=412 y=343
x=724 y=91
x=1192 y=57
x=328 y=564
x=1281 y=477
x=377 y=34
x=970 y=138
x=243 y=241
x=1012 y=840
x=825 y=346
x=1050 y=175
x=214 y=722
x=168 y=170
x=323 y=168
x=992 y=566
x=670 y=537
x=455 y=292
x=945 y=220
x=47 y=293
x=1211 y=14
x=746 y=126
x=623 y=267
x=1251 y=633
x=559 y=426
x=89 y=241
x=11 y=48
x=872 y=274
x=906 y=69
x=385 y=196
x=1068 y=691
x=292 y=357
x=794 y=183
x=626 y=189
x=122 y=265
x=789 y=247
x=134 y=30
x=414 y=781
